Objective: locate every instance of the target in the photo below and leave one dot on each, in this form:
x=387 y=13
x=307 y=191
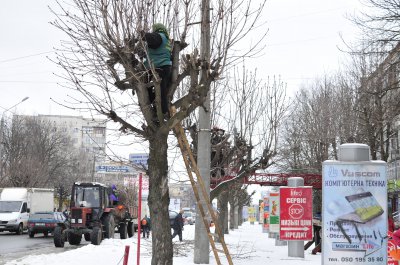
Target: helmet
x=160 y=28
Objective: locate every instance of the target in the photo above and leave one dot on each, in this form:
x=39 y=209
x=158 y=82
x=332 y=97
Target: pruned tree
x=103 y=60
x=257 y=113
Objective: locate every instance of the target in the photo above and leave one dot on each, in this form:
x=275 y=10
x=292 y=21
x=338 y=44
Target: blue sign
x=112 y=169
x=139 y=159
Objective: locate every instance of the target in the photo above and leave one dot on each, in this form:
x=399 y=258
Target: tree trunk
x=235 y=214
x=159 y=200
x=222 y=208
x=60 y=198
x=231 y=214
x=240 y=215
x=226 y=221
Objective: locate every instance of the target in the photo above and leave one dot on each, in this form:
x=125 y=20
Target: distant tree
x=35 y=154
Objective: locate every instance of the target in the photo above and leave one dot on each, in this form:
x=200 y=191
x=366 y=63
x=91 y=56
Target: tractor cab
x=89 y=201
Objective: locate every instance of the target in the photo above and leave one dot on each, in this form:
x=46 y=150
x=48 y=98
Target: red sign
x=296 y=213
x=393 y=251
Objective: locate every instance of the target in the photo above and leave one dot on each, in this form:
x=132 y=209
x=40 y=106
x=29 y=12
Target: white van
x=17 y=203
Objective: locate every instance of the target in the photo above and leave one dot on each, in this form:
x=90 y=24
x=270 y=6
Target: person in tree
x=178 y=225
x=159 y=57
x=114 y=195
x=146 y=226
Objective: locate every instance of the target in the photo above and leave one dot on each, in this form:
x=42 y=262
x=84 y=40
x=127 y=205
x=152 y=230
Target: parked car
x=44 y=222
x=172 y=215
x=188 y=218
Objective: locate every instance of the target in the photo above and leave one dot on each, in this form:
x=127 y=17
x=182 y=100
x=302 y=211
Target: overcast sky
x=301 y=44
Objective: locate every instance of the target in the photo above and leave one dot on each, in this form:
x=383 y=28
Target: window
x=24 y=208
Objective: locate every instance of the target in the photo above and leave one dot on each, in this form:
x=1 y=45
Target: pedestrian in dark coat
x=178 y=225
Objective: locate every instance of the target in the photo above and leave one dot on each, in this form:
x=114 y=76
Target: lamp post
x=1 y=132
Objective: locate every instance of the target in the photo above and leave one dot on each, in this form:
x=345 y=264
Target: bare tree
x=103 y=60
x=379 y=22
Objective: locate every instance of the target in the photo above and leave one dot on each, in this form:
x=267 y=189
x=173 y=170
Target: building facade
x=88 y=135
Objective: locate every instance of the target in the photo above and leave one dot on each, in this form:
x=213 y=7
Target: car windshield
x=41 y=216
x=87 y=196
x=10 y=206
x=187 y=214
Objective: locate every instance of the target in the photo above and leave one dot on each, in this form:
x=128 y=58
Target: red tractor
x=94 y=215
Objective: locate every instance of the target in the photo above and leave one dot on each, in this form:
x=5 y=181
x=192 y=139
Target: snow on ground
x=247 y=245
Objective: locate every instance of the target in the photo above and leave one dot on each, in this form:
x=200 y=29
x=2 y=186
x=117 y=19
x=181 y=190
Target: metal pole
x=139 y=218
x=202 y=244
x=296 y=247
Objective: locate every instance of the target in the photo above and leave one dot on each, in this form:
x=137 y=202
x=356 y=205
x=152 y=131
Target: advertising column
x=354 y=201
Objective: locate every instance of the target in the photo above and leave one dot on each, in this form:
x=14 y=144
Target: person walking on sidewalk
x=178 y=225
x=145 y=223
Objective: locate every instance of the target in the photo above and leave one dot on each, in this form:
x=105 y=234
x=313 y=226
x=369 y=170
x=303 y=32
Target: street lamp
x=1 y=132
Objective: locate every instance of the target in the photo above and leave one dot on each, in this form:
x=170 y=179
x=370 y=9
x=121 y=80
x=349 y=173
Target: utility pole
x=201 y=242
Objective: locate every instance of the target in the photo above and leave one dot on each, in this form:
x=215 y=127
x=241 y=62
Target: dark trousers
x=164 y=72
x=146 y=231
x=177 y=232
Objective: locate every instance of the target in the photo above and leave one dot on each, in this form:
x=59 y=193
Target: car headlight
x=73 y=221
x=79 y=221
x=13 y=221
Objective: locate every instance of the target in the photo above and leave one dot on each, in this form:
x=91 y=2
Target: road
x=14 y=246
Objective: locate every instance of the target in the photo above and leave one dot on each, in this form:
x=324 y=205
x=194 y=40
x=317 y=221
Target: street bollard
x=126 y=255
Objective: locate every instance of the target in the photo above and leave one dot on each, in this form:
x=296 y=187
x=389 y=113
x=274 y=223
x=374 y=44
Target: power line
x=23 y=57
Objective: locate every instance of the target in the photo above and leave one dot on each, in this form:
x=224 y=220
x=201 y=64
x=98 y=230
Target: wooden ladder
x=191 y=166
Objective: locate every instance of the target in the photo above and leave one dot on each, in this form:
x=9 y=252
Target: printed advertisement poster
x=354 y=198
x=261 y=212
x=274 y=212
x=252 y=214
x=296 y=213
x=266 y=214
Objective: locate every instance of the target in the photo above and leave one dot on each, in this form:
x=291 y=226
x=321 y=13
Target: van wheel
x=31 y=234
x=20 y=229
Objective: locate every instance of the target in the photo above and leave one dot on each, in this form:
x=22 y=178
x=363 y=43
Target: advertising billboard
x=274 y=212
x=252 y=214
x=296 y=213
x=354 y=216
x=266 y=213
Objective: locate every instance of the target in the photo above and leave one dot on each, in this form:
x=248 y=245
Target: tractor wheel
x=31 y=234
x=20 y=229
x=109 y=226
x=130 y=229
x=87 y=236
x=74 y=239
x=95 y=236
x=123 y=234
x=58 y=237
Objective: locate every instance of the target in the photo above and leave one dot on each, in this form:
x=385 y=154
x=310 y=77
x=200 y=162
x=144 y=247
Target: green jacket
x=160 y=55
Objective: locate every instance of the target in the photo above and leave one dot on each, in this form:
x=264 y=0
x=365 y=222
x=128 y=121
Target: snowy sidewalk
x=247 y=245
